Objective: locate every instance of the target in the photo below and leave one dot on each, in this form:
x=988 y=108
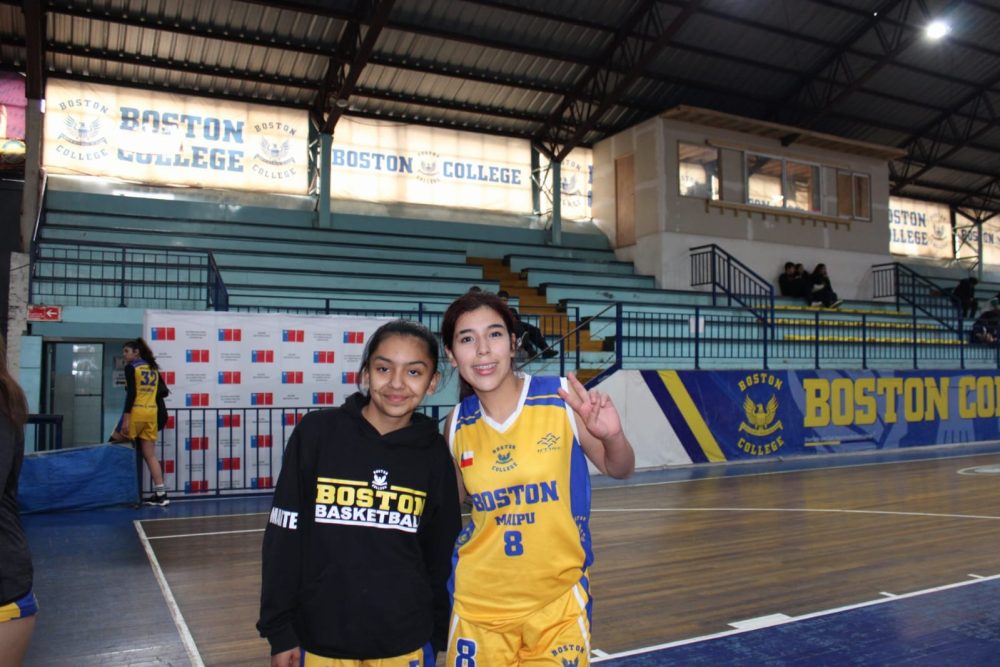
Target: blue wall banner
x=731 y=415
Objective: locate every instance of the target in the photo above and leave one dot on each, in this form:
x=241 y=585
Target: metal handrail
x=759 y=299
x=575 y=331
x=919 y=292
x=217 y=294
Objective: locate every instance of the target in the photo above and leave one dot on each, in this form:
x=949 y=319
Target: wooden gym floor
x=882 y=558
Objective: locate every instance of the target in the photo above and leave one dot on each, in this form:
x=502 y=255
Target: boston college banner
x=166 y=139
x=239 y=382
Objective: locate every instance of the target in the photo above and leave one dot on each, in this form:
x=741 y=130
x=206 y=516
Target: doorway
x=75 y=374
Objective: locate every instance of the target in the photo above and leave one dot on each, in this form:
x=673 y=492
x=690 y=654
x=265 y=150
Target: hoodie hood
x=415 y=434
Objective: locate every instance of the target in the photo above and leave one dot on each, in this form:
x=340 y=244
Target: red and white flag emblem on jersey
x=466 y=460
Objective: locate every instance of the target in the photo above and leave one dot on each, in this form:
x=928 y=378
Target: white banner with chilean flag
x=239 y=382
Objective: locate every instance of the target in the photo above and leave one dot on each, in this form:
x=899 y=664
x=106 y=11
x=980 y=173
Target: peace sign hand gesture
x=595 y=408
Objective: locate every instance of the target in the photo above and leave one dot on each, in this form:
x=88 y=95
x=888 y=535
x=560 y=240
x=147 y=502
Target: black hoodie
x=357 y=549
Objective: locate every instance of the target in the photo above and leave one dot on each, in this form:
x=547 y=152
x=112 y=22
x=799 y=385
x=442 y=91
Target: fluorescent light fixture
x=937 y=29
x=143 y=195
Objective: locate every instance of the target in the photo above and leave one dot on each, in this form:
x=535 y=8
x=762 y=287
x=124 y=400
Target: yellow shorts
x=422 y=657
x=20 y=608
x=143 y=430
x=556 y=635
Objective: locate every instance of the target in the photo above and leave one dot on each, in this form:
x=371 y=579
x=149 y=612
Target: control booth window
x=802 y=186
x=698 y=170
x=780 y=183
x=854 y=195
x=764 y=181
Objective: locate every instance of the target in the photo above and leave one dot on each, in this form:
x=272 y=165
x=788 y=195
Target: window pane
x=862 y=197
x=845 y=200
x=763 y=181
x=698 y=171
x=802 y=186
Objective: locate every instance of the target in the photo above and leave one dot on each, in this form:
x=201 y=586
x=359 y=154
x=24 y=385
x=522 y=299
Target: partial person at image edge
x=17 y=601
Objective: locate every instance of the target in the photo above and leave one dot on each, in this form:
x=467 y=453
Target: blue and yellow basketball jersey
x=146 y=380
x=529 y=538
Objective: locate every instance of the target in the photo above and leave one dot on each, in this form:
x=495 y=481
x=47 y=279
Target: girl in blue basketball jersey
x=520 y=445
x=357 y=550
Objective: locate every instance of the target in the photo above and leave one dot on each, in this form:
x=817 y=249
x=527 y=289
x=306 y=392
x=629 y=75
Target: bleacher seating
x=276 y=259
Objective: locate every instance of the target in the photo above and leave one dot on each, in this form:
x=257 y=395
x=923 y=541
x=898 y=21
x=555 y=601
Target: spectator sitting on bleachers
x=986 y=328
x=786 y=282
x=794 y=281
x=528 y=335
x=821 y=290
x=964 y=295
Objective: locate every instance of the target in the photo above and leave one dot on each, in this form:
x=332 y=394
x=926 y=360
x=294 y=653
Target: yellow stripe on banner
x=818 y=443
x=691 y=415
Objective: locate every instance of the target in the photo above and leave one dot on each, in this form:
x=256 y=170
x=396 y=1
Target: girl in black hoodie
x=357 y=550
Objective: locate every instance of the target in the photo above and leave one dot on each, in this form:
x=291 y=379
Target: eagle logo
x=82 y=133
x=760 y=420
x=275 y=154
x=379 y=479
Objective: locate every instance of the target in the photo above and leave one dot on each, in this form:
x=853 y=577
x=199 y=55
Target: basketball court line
x=934 y=515
x=794 y=619
x=175 y=611
x=809 y=464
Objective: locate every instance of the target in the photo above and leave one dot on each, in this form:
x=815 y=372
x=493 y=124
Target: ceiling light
x=342 y=102
x=937 y=29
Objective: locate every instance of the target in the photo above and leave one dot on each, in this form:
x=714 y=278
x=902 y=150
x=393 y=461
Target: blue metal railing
x=703 y=337
x=918 y=292
x=711 y=265
x=102 y=274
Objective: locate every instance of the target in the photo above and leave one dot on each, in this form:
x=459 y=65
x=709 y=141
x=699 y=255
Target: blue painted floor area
x=99 y=601
x=956 y=626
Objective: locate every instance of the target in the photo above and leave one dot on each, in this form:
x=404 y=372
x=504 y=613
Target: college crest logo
x=85 y=133
x=569 y=654
x=380 y=480
x=760 y=427
x=275 y=154
x=427 y=167
x=760 y=420
x=504 y=460
x=940 y=234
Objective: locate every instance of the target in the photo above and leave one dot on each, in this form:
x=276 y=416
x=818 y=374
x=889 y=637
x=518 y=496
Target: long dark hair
x=468 y=302
x=400 y=328
x=13 y=403
x=144 y=352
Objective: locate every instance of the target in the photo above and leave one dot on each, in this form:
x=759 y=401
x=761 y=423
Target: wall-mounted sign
x=919 y=228
x=40 y=313
x=152 y=137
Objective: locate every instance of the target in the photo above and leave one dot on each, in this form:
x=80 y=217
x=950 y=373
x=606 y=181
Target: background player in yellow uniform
x=139 y=421
x=520 y=443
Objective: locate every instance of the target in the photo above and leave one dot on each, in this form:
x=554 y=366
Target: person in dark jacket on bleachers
x=964 y=296
x=528 y=335
x=821 y=290
x=986 y=328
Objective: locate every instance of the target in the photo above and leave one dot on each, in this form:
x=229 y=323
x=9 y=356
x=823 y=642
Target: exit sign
x=44 y=313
